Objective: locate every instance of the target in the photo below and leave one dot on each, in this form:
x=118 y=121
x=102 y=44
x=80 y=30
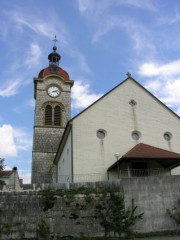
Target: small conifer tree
x=114 y=216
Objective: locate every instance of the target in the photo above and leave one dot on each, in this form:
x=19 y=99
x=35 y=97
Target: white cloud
x=34 y=55
x=25 y=175
x=82 y=97
x=103 y=14
x=81 y=60
x=140 y=36
x=152 y=69
x=164 y=81
x=172 y=90
x=178 y=111
x=22 y=140
x=12 y=141
x=153 y=85
x=48 y=26
x=175 y=18
x=84 y=5
x=11 y=88
x=94 y=8
x=106 y=27
x=31 y=103
x=7 y=144
x=148 y=4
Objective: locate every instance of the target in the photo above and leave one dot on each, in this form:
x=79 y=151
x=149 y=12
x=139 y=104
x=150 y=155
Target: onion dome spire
x=54 y=57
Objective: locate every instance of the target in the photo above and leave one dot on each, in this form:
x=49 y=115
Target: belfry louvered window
x=52 y=115
x=48 y=115
x=57 y=116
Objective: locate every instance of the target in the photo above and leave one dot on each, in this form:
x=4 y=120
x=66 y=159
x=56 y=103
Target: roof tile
x=142 y=150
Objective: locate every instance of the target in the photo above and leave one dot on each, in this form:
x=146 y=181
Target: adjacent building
x=10 y=179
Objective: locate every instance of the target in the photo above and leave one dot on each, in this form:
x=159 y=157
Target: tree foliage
x=2 y=164
x=115 y=218
x=1 y=171
x=43 y=228
x=174 y=213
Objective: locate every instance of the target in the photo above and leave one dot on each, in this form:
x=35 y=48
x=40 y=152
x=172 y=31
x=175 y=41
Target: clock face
x=53 y=91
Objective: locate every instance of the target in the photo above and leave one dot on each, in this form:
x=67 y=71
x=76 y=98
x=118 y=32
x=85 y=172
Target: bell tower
x=52 y=94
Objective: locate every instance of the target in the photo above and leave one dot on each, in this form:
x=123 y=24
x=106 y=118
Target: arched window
x=52 y=115
x=57 y=116
x=48 y=115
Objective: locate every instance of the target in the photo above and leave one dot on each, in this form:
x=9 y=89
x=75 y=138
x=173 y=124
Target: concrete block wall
x=153 y=196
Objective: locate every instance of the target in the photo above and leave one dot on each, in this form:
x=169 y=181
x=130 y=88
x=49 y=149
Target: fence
x=96 y=177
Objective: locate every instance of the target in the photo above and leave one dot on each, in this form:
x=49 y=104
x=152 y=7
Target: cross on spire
x=55 y=40
x=54 y=57
x=128 y=74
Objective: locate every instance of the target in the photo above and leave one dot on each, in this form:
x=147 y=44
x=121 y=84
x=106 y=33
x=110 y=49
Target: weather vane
x=55 y=40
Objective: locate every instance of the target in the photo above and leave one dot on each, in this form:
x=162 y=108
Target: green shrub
x=115 y=217
x=43 y=228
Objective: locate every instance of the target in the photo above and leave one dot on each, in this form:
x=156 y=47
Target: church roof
x=143 y=151
x=127 y=79
x=61 y=72
x=6 y=173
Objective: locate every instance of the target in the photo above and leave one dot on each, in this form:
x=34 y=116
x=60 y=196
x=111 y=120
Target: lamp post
x=117 y=155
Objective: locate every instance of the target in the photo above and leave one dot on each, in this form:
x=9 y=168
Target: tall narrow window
x=48 y=115
x=57 y=116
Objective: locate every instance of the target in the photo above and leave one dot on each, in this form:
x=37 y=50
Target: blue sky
x=99 y=42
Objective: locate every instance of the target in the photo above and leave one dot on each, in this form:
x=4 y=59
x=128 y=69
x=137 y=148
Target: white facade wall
x=116 y=116
x=12 y=181
x=6 y=180
x=64 y=171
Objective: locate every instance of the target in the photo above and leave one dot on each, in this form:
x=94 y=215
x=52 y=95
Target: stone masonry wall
x=75 y=215
x=47 y=138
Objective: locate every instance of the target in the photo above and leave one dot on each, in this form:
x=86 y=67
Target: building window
x=57 y=116
x=167 y=136
x=136 y=135
x=101 y=133
x=48 y=115
x=132 y=102
x=53 y=115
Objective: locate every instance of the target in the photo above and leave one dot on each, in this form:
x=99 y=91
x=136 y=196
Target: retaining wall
x=20 y=211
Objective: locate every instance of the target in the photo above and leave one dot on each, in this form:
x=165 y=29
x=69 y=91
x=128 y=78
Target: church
x=128 y=132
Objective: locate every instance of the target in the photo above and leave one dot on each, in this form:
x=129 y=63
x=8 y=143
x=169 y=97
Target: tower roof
x=54 y=57
x=59 y=71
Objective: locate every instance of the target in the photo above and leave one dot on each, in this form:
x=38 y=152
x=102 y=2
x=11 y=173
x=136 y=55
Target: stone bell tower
x=52 y=93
